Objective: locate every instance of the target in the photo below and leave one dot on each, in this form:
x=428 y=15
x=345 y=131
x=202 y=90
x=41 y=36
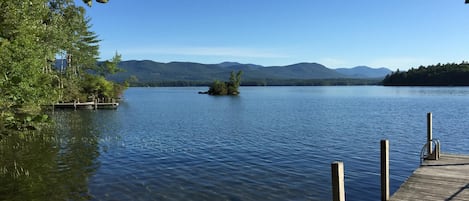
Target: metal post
x=384 y=170
x=429 y=134
x=338 y=190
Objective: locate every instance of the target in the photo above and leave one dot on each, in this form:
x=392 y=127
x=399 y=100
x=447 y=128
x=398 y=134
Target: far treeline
x=450 y=74
x=264 y=82
x=48 y=54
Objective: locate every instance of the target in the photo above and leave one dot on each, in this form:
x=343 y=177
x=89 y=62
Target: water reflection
x=270 y=143
x=53 y=164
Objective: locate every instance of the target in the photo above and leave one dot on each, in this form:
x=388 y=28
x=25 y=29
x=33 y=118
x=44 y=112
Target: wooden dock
x=86 y=105
x=439 y=177
x=444 y=179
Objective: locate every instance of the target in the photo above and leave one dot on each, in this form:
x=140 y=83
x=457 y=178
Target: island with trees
x=450 y=74
x=226 y=88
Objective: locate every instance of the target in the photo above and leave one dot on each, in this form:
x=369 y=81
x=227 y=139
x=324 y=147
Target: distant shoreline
x=267 y=82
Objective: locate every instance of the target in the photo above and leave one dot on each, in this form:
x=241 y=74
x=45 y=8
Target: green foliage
x=97 y=87
x=72 y=91
x=90 y=2
x=25 y=83
x=89 y=87
x=109 y=67
x=227 y=88
x=218 y=88
x=450 y=74
x=32 y=34
x=131 y=80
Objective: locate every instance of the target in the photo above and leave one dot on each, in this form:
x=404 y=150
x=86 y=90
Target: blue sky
x=337 y=33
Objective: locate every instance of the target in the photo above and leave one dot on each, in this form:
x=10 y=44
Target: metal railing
x=435 y=155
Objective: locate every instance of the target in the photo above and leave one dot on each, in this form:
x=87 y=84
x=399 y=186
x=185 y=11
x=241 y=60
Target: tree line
x=450 y=74
x=262 y=82
x=34 y=36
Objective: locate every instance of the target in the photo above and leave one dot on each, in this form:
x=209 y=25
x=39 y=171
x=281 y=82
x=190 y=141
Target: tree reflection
x=52 y=164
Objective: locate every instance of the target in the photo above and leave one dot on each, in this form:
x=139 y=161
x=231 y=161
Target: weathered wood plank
x=444 y=179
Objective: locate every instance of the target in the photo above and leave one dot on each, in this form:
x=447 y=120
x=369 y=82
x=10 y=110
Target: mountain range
x=147 y=71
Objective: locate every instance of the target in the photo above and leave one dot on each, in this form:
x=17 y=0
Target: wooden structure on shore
x=439 y=177
x=443 y=179
x=86 y=105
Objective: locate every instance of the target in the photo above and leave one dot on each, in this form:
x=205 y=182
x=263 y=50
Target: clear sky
x=336 y=33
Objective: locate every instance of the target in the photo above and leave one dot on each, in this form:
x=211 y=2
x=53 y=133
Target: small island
x=226 y=88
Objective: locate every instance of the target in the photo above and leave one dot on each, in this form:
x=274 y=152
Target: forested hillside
x=450 y=74
x=151 y=73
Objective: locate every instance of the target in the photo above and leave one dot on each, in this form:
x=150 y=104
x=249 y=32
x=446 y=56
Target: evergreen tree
x=450 y=74
x=32 y=34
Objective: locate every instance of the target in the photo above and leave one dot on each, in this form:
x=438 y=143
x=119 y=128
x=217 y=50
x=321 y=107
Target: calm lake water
x=269 y=143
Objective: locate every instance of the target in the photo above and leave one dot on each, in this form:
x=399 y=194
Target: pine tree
x=32 y=34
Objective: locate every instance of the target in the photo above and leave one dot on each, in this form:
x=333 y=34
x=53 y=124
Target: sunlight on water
x=270 y=143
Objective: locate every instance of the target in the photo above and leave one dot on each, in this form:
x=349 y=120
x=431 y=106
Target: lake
x=269 y=143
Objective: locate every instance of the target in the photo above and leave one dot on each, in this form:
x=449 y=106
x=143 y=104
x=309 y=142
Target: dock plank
x=86 y=105
x=444 y=179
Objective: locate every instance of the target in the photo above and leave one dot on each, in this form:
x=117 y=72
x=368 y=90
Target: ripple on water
x=269 y=143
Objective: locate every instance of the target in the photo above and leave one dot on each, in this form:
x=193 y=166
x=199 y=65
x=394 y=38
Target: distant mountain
x=228 y=64
x=150 y=72
x=364 y=72
x=300 y=71
x=239 y=66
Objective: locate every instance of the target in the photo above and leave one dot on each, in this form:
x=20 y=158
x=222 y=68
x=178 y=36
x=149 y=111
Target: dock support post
x=429 y=134
x=95 y=104
x=384 y=170
x=338 y=190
